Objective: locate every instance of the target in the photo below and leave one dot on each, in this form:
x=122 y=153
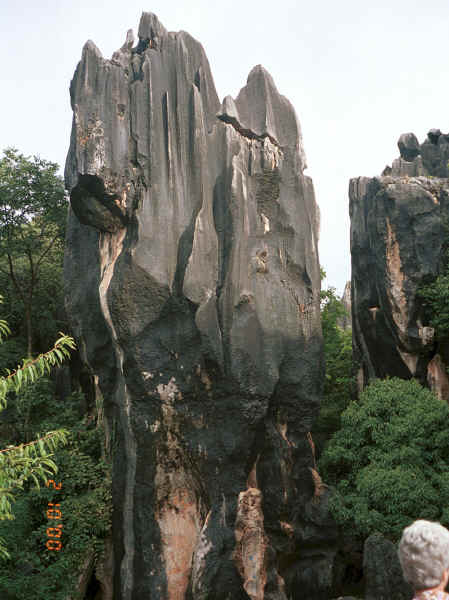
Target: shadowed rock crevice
x=251 y=135
x=192 y=281
x=94 y=206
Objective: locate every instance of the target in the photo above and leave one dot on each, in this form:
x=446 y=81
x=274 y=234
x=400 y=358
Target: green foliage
x=32 y=203
x=11 y=352
x=25 y=463
x=338 y=357
x=33 y=210
x=389 y=462
x=4 y=330
x=32 y=221
x=436 y=299
x=20 y=464
x=85 y=503
x=32 y=369
x=435 y=294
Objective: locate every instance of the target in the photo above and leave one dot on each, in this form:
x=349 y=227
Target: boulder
x=408 y=146
x=418 y=160
x=382 y=571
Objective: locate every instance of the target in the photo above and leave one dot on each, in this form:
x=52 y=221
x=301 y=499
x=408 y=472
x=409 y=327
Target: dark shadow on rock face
x=93 y=206
x=382 y=570
x=192 y=281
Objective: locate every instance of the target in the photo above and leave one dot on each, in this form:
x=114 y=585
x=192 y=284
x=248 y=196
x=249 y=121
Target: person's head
x=424 y=554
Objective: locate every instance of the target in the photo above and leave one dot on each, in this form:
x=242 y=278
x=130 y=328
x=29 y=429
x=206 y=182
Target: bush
x=85 y=501
x=436 y=300
x=389 y=461
x=435 y=294
x=338 y=380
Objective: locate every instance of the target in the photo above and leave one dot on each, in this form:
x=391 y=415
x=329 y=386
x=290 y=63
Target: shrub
x=389 y=461
x=338 y=379
x=85 y=501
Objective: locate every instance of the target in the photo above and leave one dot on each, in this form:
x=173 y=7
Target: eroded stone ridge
x=193 y=282
x=397 y=241
x=427 y=159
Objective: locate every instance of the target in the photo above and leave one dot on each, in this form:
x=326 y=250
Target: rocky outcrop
x=421 y=160
x=382 y=571
x=397 y=239
x=192 y=282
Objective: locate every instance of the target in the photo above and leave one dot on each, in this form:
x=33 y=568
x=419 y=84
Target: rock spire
x=192 y=282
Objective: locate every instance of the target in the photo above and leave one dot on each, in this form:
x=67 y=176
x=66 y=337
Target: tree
x=33 y=209
x=34 y=571
x=435 y=293
x=389 y=462
x=436 y=299
x=31 y=461
x=338 y=358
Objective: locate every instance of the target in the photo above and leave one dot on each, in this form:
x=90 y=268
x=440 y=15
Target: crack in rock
x=248 y=133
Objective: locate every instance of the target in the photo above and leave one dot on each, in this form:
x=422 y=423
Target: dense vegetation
x=33 y=211
x=435 y=296
x=32 y=218
x=338 y=358
x=389 y=462
x=386 y=453
x=34 y=571
x=29 y=460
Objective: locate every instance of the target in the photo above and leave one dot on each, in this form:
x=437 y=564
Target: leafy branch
x=33 y=368
x=31 y=461
x=27 y=462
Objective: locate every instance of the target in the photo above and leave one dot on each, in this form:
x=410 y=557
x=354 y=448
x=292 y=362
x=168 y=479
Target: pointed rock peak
x=129 y=40
x=90 y=48
x=433 y=135
x=260 y=73
x=150 y=28
x=264 y=111
x=229 y=109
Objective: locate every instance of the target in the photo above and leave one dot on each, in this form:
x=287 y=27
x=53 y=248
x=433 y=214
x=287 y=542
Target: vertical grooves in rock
x=110 y=248
x=209 y=369
x=396 y=237
x=165 y=117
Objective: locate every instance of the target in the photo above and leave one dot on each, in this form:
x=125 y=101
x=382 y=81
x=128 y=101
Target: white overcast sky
x=358 y=73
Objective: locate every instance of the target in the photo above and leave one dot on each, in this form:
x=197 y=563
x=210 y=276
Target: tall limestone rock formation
x=192 y=282
x=397 y=244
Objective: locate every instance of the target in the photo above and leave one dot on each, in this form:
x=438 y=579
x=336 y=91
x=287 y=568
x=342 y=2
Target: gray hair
x=424 y=553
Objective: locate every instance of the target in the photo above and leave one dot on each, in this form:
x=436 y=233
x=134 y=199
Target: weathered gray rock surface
x=397 y=237
x=192 y=282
